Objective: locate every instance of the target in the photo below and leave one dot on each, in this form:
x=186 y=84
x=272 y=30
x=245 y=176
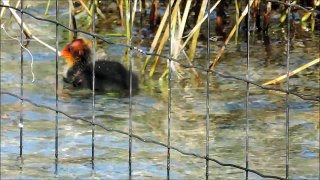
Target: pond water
x=227 y=117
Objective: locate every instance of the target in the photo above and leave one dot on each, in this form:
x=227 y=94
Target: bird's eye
x=70 y=48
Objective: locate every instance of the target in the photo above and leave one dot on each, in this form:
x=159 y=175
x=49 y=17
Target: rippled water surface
x=227 y=117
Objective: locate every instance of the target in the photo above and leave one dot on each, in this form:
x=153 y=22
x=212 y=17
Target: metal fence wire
x=170 y=60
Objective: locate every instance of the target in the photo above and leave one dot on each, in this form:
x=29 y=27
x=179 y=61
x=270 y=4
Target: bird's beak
x=66 y=54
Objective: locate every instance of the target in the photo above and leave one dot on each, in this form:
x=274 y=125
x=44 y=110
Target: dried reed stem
x=303 y=67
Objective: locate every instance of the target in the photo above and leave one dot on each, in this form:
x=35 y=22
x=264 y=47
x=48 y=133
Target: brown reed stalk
x=217 y=58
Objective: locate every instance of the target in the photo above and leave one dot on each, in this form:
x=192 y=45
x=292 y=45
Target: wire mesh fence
x=209 y=72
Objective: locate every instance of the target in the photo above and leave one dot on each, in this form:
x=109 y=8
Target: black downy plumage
x=109 y=75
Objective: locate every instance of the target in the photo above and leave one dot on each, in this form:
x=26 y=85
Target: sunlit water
x=227 y=117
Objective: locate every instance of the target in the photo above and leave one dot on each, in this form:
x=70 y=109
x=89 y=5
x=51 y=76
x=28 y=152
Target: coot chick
x=109 y=75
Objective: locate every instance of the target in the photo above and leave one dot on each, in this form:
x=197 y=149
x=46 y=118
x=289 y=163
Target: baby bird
x=109 y=75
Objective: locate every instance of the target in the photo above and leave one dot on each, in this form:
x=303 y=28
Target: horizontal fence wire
x=218 y=73
x=130 y=134
x=139 y=137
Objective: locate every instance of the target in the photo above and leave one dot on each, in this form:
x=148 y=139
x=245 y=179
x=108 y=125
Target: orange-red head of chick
x=77 y=51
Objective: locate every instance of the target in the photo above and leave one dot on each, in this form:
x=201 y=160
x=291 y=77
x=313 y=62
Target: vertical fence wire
x=57 y=78
x=207 y=90
x=169 y=93
x=0 y=74
x=130 y=90
x=287 y=108
x=247 y=90
x=93 y=86
x=287 y=88
x=21 y=85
